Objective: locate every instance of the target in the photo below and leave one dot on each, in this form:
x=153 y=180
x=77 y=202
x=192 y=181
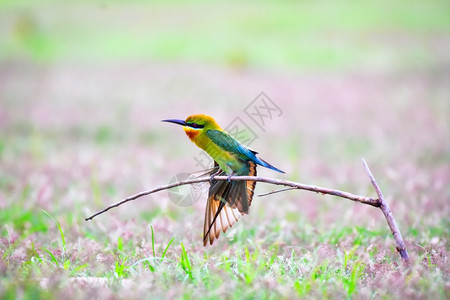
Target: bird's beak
x=176 y=121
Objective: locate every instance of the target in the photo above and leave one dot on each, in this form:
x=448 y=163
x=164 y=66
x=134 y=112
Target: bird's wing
x=227 y=201
x=218 y=217
x=229 y=143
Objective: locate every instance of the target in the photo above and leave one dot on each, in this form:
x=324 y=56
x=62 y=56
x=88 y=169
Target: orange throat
x=191 y=133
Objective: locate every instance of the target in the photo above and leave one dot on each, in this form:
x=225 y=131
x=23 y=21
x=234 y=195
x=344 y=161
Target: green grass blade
x=59 y=228
x=185 y=262
x=167 y=247
x=153 y=241
x=53 y=258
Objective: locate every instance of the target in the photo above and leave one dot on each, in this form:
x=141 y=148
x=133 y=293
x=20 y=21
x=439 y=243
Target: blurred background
x=84 y=85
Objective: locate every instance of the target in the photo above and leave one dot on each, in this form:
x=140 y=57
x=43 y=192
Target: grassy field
x=83 y=88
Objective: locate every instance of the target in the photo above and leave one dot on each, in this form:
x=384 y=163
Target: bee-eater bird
x=227 y=200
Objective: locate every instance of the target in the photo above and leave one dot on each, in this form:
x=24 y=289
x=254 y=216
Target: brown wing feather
x=227 y=201
x=251 y=184
x=225 y=219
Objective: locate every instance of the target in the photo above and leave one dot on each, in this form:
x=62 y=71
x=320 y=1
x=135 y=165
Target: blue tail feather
x=264 y=163
x=269 y=166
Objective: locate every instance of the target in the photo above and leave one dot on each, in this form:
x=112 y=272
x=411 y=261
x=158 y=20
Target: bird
x=227 y=200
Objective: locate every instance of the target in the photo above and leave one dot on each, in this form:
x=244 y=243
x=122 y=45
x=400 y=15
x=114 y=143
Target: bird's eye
x=195 y=125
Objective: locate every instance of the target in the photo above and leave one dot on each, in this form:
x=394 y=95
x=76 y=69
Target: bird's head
x=195 y=124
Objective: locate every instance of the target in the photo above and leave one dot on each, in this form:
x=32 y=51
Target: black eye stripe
x=195 y=125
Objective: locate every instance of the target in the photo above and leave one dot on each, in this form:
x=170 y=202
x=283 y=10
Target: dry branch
x=294 y=185
x=401 y=248
x=380 y=203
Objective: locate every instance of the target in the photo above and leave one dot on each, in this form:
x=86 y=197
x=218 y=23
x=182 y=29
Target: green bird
x=227 y=200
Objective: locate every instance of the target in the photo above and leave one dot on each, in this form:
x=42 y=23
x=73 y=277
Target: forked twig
x=380 y=203
x=277 y=191
x=401 y=248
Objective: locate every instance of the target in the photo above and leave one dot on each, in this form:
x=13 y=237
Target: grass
x=83 y=87
x=325 y=266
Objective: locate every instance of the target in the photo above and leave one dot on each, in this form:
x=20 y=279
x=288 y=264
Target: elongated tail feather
x=264 y=163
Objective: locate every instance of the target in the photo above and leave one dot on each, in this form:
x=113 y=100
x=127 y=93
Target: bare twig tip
x=401 y=248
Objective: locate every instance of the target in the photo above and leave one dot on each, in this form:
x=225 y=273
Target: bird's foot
x=229 y=176
x=211 y=178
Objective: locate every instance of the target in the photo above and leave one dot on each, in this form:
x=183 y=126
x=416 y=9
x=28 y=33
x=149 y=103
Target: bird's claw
x=229 y=177
x=211 y=178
